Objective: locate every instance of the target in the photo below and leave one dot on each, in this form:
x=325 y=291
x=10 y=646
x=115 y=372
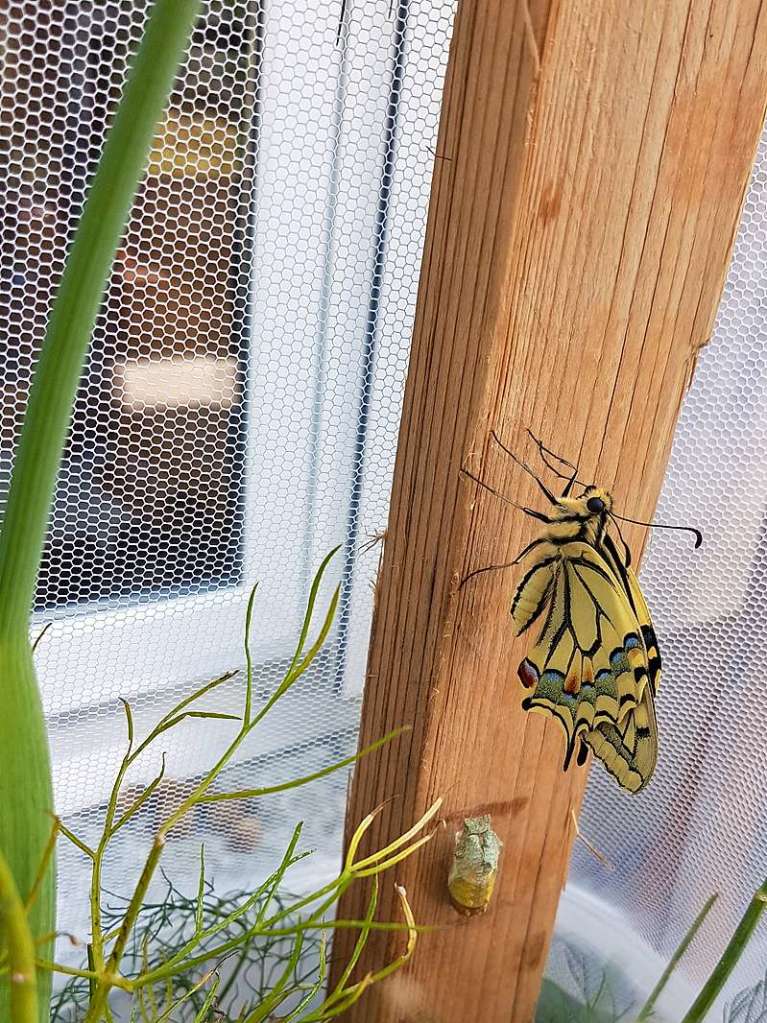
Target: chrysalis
x=475 y=865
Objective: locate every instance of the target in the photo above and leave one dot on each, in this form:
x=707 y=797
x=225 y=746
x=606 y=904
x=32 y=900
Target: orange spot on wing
x=572 y=684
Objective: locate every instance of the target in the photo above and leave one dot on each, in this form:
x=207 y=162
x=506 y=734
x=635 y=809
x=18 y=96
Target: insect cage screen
x=239 y=411
x=701 y=826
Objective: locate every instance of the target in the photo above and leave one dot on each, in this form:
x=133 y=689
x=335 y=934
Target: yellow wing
x=589 y=668
x=648 y=632
x=640 y=609
x=628 y=750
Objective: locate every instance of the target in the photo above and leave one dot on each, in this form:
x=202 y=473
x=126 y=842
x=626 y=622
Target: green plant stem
x=203 y=934
x=343 y=998
x=105 y=983
x=298 y=666
x=649 y=1006
x=329 y=894
x=97 y=940
x=336 y=887
x=730 y=957
x=25 y=780
x=77 y=304
x=106 y=951
x=48 y=854
x=26 y=791
x=270 y=790
x=71 y=971
x=205 y=1008
x=26 y=800
x=21 y=950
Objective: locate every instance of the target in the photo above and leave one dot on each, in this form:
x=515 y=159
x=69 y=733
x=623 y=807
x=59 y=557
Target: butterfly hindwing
x=589 y=668
x=629 y=750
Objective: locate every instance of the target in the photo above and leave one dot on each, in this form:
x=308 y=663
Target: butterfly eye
x=595 y=505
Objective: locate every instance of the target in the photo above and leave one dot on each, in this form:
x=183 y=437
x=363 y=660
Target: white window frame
x=146 y=643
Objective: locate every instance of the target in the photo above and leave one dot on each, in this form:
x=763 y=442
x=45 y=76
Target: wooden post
x=592 y=161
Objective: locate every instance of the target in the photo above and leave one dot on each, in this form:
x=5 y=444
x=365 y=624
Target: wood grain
x=578 y=236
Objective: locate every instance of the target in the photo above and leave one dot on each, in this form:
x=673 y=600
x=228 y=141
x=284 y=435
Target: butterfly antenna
x=664 y=525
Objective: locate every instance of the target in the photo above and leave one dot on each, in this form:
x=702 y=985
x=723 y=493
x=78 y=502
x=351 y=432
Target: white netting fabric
x=701 y=826
x=238 y=418
x=239 y=412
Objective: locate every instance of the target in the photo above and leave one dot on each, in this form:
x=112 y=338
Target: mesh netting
x=701 y=825
x=239 y=411
x=238 y=418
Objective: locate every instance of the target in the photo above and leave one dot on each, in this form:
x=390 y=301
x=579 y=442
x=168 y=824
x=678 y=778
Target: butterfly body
x=595 y=666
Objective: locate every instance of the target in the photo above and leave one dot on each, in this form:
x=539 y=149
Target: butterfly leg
x=523 y=465
x=528 y=511
x=544 y=451
x=486 y=568
x=569 y=485
x=547 y=451
x=502 y=497
x=508 y=564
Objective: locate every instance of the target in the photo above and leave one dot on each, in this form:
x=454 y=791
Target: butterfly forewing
x=535 y=589
x=639 y=606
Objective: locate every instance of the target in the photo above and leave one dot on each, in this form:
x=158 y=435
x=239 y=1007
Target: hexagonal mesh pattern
x=239 y=411
x=700 y=825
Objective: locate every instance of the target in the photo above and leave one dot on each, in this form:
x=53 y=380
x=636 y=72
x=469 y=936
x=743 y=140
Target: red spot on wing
x=528 y=674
